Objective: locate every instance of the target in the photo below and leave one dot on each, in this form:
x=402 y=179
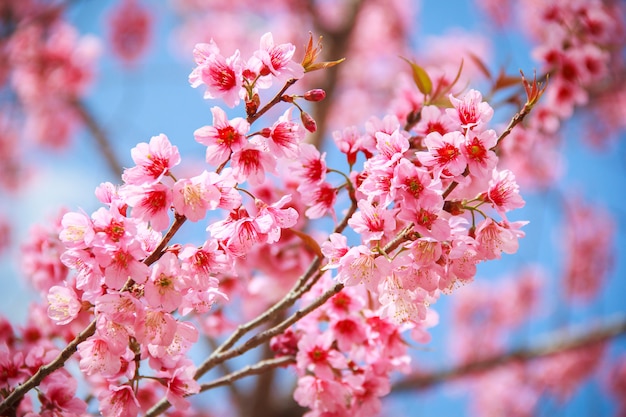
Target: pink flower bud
x=308 y=122
x=315 y=95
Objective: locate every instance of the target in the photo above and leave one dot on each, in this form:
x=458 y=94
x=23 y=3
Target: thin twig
x=102 y=141
x=555 y=343
x=277 y=98
x=256 y=369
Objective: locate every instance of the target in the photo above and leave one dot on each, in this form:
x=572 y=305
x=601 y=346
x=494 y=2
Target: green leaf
x=421 y=78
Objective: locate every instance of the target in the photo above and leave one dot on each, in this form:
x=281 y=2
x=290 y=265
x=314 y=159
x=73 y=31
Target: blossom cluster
x=429 y=203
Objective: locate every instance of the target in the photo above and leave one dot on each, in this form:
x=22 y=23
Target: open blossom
x=275 y=59
x=372 y=221
x=434 y=119
x=360 y=266
x=350 y=142
x=477 y=149
x=222 y=76
x=165 y=284
x=201 y=262
x=153 y=160
x=77 y=230
x=414 y=186
x=118 y=401
x=503 y=191
x=444 y=154
x=181 y=384
x=239 y=232
x=273 y=218
x=284 y=137
x=310 y=167
x=222 y=138
x=63 y=304
x=150 y=203
x=471 y=112
x=494 y=238
x=96 y=357
x=193 y=197
x=251 y=163
x=321 y=200
x=315 y=354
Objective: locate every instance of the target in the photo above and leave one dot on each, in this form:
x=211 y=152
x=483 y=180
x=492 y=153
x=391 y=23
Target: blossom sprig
x=141 y=292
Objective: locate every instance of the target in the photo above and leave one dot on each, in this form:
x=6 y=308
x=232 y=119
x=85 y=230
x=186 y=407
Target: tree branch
x=256 y=369
x=554 y=343
x=102 y=141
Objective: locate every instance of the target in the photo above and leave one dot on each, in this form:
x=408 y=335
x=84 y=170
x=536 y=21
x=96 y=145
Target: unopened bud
x=308 y=122
x=252 y=105
x=315 y=95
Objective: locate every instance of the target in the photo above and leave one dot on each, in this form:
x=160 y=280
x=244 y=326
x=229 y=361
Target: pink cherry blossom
x=150 y=203
x=350 y=142
x=493 y=239
x=222 y=138
x=239 y=232
x=326 y=395
x=315 y=354
x=284 y=137
x=153 y=160
x=181 y=384
x=64 y=305
x=360 y=266
x=77 y=230
x=221 y=75
x=118 y=401
x=445 y=154
x=503 y=192
x=156 y=327
x=251 y=164
x=276 y=59
x=372 y=222
x=164 y=287
x=129 y=30
x=434 y=120
x=414 y=186
x=193 y=197
x=310 y=167
x=273 y=218
x=477 y=149
x=334 y=249
x=201 y=262
x=471 y=112
x=58 y=396
x=96 y=357
x=321 y=200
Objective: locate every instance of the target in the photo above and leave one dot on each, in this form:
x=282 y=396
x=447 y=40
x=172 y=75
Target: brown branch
x=256 y=340
x=553 y=344
x=16 y=395
x=256 y=369
x=277 y=99
x=102 y=141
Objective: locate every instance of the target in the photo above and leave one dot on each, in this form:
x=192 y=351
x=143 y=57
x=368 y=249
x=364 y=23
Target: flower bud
x=308 y=122
x=315 y=95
